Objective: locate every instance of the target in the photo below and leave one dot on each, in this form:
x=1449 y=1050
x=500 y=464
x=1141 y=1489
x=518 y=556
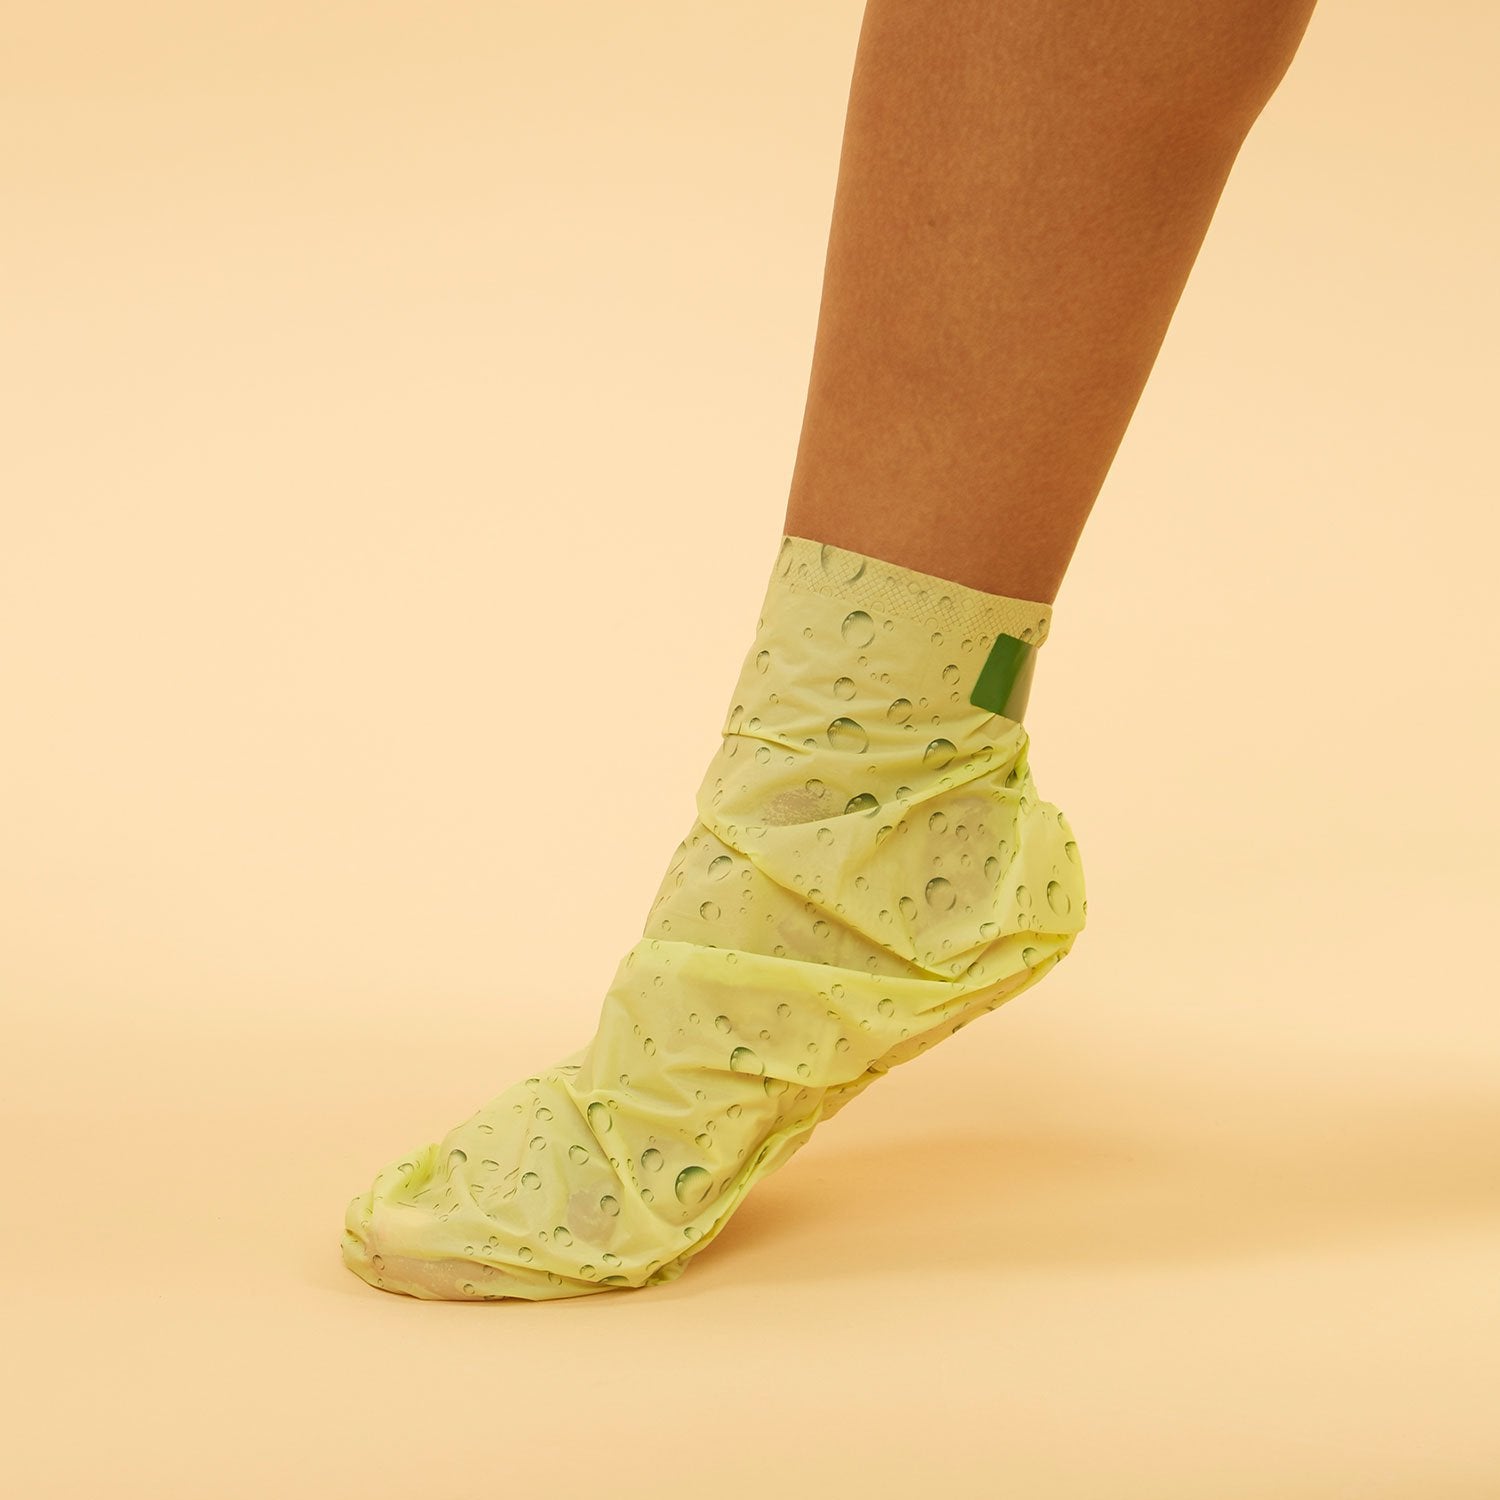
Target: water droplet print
x=762 y=662
x=844 y=688
x=720 y=867
x=1058 y=899
x=840 y=564
x=899 y=711
x=858 y=629
x=939 y=754
x=864 y=802
x=692 y=1186
x=598 y=1117
x=651 y=1159
x=847 y=734
x=709 y=911
x=743 y=1060
x=940 y=894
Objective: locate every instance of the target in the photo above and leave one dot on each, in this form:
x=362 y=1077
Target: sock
x=870 y=869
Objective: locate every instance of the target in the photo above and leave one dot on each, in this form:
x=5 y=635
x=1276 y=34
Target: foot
x=870 y=869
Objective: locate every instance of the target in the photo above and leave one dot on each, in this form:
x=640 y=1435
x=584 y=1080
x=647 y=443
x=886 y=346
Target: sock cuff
x=882 y=587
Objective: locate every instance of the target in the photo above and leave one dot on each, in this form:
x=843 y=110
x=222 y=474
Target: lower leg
x=1022 y=192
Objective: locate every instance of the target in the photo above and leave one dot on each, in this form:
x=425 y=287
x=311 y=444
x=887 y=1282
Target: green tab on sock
x=1004 y=681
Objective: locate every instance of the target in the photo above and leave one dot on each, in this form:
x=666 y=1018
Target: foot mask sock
x=869 y=870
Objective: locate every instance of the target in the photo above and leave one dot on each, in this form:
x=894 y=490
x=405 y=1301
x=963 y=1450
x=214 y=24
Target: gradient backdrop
x=400 y=403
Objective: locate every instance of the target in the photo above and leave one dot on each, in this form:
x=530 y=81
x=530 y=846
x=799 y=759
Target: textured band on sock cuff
x=1008 y=630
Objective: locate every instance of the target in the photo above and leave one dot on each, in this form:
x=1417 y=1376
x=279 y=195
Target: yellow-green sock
x=870 y=869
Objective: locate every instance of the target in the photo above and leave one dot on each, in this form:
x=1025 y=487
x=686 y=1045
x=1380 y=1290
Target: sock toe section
x=430 y=1228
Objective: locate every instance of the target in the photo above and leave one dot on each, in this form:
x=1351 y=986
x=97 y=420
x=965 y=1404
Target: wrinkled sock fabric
x=870 y=869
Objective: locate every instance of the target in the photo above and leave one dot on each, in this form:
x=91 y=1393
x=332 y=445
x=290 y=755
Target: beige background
x=400 y=404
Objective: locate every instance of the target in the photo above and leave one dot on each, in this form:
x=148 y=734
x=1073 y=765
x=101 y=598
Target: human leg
x=1022 y=191
x=871 y=867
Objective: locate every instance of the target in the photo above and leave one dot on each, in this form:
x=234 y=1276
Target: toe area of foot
x=398 y=1245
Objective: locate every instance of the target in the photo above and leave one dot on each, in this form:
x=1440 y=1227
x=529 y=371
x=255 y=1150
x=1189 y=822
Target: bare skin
x=1023 y=189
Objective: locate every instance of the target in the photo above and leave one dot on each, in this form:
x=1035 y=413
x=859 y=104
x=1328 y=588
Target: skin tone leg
x=1023 y=189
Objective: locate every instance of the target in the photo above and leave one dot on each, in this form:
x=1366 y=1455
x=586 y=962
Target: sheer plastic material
x=870 y=868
